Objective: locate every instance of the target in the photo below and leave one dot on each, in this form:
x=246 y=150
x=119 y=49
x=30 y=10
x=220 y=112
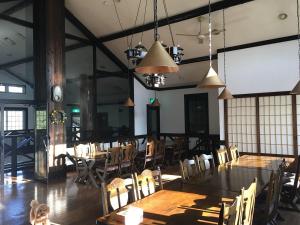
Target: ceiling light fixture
x=157 y=60
x=225 y=94
x=296 y=89
x=211 y=80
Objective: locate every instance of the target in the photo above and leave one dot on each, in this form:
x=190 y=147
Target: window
x=196 y=114
x=2 y=88
x=41 y=119
x=15 y=119
x=16 y=89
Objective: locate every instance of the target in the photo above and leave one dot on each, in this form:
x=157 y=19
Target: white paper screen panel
x=242 y=124
x=276 y=131
x=298 y=121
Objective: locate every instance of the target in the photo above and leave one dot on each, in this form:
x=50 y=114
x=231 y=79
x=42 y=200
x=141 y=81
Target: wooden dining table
x=198 y=201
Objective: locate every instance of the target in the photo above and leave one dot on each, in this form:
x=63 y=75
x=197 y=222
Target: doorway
x=153 y=121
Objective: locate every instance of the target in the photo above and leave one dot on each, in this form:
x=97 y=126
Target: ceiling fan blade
x=188 y=35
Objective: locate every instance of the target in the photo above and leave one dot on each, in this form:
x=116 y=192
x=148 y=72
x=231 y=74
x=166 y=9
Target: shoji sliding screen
x=275 y=120
x=242 y=124
x=263 y=124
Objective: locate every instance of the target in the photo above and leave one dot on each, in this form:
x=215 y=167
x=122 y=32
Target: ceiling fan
x=202 y=36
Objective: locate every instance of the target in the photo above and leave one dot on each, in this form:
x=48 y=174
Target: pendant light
x=157 y=59
x=156 y=102
x=225 y=94
x=211 y=80
x=296 y=89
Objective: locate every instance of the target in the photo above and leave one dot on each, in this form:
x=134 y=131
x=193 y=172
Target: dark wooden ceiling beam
x=18 y=77
x=175 y=19
x=76 y=38
x=17 y=7
x=198 y=59
x=15 y=20
x=16 y=62
x=106 y=74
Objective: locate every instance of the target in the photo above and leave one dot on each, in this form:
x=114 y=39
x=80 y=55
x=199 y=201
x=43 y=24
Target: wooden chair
x=81 y=169
x=126 y=162
x=81 y=150
x=111 y=165
x=179 y=148
x=159 y=154
x=147 y=182
x=205 y=162
x=149 y=154
x=248 y=203
x=231 y=214
x=114 y=195
x=188 y=168
x=234 y=152
x=222 y=156
x=290 y=189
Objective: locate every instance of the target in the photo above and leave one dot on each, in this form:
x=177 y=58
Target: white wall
x=268 y=68
x=172 y=119
x=141 y=99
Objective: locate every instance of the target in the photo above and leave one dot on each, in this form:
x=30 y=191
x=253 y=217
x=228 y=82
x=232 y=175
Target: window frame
x=25 y=121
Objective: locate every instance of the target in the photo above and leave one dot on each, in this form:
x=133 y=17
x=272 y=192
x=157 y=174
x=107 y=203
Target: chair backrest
x=127 y=153
x=205 y=162
x=248 y=203
x=231 y=214
x=188 y=168
x=222 y=156
x=270 y=201
x=114 y=156
x=234 y=152
x=161 y=147
x=150 y=148
x=116 y=193
x=146 y=182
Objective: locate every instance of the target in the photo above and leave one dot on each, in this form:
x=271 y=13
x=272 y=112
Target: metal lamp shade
x=156 y=103
x=211 y=80
x=225 y=94
x=129 y=103
x=296 y=89
x=157 y=61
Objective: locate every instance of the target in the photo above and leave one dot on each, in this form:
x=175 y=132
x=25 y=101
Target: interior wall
x=172 y=118
x=141 y=99
x=268 y=68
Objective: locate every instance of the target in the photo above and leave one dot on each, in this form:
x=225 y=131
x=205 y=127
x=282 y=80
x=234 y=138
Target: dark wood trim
x=19 y=77
x=175 y=19
x=105 y=74
x=226 y=122
x=157 y=110
x=262 y=94
x=76 y=38
x=257 y=125
x=198 y=59
x=175 y=88
x=267 y=154
x=16 y=101
x=14 y=20
x=294 y=123
x=16 y=62
x=259 y=43
x=17 y=7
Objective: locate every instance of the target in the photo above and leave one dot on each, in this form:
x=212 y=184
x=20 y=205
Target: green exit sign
x=151 y=100
x=75 y=110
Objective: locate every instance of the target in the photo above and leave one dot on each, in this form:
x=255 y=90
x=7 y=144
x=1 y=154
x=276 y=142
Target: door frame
x=157 y=109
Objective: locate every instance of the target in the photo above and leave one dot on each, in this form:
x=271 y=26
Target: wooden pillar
x=226 y=122
x=294 y=122
x=257 y=121
x=49 y=44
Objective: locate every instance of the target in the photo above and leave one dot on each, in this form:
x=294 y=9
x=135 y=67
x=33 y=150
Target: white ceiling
x=246 y=23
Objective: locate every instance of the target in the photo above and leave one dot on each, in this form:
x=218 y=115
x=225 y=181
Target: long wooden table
x=199 y=201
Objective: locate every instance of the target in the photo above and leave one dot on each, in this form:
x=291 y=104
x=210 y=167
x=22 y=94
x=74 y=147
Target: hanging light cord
x=298 y=24
x=129 y=44
x=209 y=31
x=155 y=20
x=144 y=19
x=224 y=42
x=169 y=25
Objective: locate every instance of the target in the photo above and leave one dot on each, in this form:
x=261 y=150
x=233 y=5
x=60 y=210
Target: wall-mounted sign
x=151 y=100
x=75 y=110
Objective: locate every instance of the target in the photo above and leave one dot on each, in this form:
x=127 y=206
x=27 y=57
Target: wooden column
x=257 y=125
x=49 y=44
x=226 y=122
x=294 y=122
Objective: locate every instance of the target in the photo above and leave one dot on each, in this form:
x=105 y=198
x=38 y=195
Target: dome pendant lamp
x=157 y=60
x=211 y=80
x=296 y=89
x=225 y=94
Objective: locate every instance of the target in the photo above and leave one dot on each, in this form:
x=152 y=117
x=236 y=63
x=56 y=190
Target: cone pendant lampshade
x=296 y=89
x=225 y=94
x=157 y=61
x=211 y=80
x=156 y=103
x=129 y=103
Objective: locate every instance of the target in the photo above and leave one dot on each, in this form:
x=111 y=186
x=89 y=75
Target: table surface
x=199 y=201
